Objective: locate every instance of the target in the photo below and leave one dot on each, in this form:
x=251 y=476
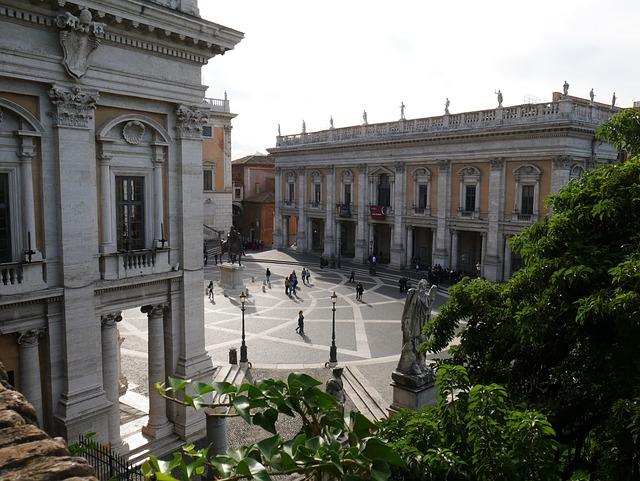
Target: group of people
x=253 y=245
x=291 y=281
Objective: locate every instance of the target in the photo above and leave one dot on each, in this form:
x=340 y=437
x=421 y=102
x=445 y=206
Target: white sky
x=310 y=60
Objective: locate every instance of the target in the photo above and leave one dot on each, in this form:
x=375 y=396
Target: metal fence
x=109 y=466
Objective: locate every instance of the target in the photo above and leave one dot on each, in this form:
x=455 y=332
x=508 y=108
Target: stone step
x=157 y=447
x=364 y=396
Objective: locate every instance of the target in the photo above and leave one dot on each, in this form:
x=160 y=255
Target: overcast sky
x=312 y=60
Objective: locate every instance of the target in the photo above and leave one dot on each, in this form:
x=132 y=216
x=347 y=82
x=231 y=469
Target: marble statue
x=416 y=313
x=304 y=127
x=446 y=106
x=335 y=387
x=364 y=117
x=499 y=94
x=565 y=88
x=279 y=133
x=591 y=94
x=613 y=100
x=402 y=111
x=331 y=122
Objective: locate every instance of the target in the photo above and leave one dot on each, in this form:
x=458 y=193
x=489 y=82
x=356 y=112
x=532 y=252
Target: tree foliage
x=472 y=434
x=325 y=445
x=563 y=334
x=623 y=131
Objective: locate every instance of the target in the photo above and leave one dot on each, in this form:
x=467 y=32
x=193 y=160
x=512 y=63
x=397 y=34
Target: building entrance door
x=317 y=235
x=347 y=239
x=382 y=242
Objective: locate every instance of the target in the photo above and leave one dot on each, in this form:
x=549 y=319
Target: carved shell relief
x=133 y=132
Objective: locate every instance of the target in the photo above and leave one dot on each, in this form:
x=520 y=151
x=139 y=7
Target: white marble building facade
x=448 y=190
x=101 y=115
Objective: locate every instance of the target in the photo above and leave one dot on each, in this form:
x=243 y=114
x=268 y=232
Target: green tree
x=563 y=334
x=623 y=131
x=472 y=434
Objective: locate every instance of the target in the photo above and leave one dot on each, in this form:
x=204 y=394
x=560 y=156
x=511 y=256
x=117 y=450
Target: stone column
x=227 y=158
x=409 y=243
x=110 y=371
x=483 y=253
x=329 y=224
x=399 y=200
x=560 y=173
x=158 y=425
x=106 y=242
x=190 y=359
x=158 y=197
x=277 y=227
x=441 y=254
x=372 y=234
x=361 y=237
x=507 y=259
x=83 y=401
x=491 y=261
x=26 y=155
x=301 y=238
x=30 y=383
x=454 y=249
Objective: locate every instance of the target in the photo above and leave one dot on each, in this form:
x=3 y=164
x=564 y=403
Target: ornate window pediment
x=527 y=173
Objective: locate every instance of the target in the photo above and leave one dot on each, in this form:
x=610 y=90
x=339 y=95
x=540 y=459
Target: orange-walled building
x=448 y=190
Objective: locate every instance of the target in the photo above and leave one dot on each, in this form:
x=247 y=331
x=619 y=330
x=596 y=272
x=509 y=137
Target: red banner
x=377 y=212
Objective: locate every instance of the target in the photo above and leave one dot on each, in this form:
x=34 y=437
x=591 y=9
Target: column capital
x=153 y=310
x=30 y=337
x=444 y=165
x=562 y=161
x=496 y=163
x=399 y=167
x=189 y=121
x=74 y=107
x=109 y=320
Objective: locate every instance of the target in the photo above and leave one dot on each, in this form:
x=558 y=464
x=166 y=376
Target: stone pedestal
x=412 y=392
x=231 y=279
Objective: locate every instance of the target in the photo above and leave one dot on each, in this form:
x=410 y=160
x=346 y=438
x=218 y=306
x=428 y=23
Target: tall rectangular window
x=526 y=202
x=130 y=212
x=317 y=193
x=292 y=191
x=5 y=220
x=207 y=178
x=207 y=131
x=384 y=190
x=347 y=194
x=423 y=191
x=469 y=198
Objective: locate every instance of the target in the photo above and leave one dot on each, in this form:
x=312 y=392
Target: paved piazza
x=368 y=333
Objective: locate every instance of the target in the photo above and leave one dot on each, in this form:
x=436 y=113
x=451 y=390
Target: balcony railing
x=566 y=109
x=520 y=217
x=345 y=210
x=316 y=205
x=421 y=211
x=218 y=105
x=468 y=214
x=289 y=204
x=123 y=265
x=21 y=277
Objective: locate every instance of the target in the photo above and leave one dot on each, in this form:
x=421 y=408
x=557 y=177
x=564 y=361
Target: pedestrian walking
x=294 y=282
x=268 y=276
x=210 y=290
x=308 y=277
x=359 y=291
x=300 y=328
x=287 y=285
x=352 y=278
x=215 y=258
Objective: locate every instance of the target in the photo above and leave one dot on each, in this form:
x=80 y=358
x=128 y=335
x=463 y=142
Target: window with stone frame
x=130 y=207
x=207 y=178
x=5 y=219
x=207 y=131
x=526 y=202
x=384 y=190
x=291 y=192
x=469 y=201
x=421 y=190
x=423 y=196
x=346 y=193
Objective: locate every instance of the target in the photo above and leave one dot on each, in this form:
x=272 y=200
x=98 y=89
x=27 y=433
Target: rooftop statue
x=364 y=117
x=446 y=106
x=565 y=88
x=499 y=94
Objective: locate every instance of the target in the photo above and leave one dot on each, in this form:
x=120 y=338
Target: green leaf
x=266 y=419
x=268 y=446
x=177 y=384
x=361 y=426
x=241 y=404
x=224 y=387
x=380 y=471
x=375 y=448
x=202 y=388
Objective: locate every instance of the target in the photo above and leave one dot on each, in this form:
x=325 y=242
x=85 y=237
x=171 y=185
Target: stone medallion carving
x=79 y=37
x=133 y=132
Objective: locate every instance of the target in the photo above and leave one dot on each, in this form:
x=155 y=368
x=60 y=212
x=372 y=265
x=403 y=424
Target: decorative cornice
x=74 y=107
x=190 y=120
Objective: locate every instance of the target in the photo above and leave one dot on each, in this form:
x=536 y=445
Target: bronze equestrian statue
x=233 y=245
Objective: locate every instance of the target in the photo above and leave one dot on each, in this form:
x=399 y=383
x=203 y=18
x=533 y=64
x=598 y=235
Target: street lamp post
x=243 y=347
x=333 y=351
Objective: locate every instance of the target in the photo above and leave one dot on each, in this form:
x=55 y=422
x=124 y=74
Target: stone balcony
x=419 y=211
x=217 y=105
x=22 y=277
x=517 y=115
x=123 y=265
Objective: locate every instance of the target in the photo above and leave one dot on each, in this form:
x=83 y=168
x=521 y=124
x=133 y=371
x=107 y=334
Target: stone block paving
x=368 y=334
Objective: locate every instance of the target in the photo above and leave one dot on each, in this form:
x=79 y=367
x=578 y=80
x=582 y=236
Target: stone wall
x=27 y=452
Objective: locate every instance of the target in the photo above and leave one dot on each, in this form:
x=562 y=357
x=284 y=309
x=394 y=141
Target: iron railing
x=109 y=466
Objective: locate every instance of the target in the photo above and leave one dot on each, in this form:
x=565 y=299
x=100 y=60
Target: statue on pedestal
x=565 y=88
x=592 y=94
x=499 y=94
x=364 y=117
x=233 y=246
x=335 y=387
x=446 y=106
x=412 y=368
x=613 y=101
x=402 y=111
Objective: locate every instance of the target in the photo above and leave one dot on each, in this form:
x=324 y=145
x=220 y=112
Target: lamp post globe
x=243 y=347
x=333 y=351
